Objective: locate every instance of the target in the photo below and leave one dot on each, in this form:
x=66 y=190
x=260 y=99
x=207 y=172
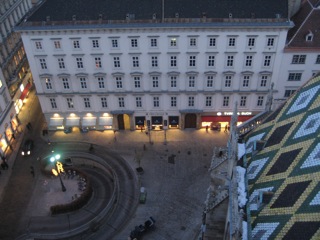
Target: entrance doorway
x=123 y=122
x=190 y=120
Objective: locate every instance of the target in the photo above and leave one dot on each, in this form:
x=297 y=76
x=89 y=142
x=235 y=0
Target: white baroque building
x=106 y=66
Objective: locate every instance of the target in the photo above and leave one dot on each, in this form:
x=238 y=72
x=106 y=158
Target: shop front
x=140 y=122
x=89 y=123
x=221 y=120
x=157 y=122
x=56 y=123
x=105 y=123
x=173 y=122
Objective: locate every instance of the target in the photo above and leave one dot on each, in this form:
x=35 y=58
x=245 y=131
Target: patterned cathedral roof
x=283 y=169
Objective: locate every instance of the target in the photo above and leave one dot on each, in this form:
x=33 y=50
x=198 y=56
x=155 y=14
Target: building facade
x=301 y=58
x=165 y=67
x=13 y=69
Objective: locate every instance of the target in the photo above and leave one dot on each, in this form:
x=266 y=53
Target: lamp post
x=58 y=168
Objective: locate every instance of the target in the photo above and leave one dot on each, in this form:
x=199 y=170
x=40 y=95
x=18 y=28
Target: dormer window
x=309 y=37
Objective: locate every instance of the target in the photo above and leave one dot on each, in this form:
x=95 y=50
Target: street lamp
x=58 y=169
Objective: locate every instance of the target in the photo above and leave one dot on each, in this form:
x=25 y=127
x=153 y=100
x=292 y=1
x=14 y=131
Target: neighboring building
x=171 y=63
x=301 y=58
x=282 y=162
x=13 y=69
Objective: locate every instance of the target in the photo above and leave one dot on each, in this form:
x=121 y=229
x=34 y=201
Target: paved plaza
x=175 y=177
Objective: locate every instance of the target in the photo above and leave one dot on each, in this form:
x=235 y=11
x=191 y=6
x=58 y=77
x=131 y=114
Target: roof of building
x=307 y=21
x=62 y=10
x=284 y=176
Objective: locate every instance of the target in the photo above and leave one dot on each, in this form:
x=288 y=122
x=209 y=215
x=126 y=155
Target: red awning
x=25 y=91
x=224 y=118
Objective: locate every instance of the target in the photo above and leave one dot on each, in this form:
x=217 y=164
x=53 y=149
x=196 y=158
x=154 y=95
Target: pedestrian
x=226 y=128
x=32 y=173
x=3 y=166
x=207 y=127
x=6 y=164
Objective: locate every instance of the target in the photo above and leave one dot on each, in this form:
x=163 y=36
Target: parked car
x=142 y=228
x=67 y=162
x=27 y=147
x=68 y=130
x=84 y=129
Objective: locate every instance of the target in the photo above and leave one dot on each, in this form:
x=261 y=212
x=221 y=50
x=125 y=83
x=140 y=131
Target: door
x=190 y=120
x=120 y=122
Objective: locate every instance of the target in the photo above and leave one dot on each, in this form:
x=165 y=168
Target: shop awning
x=173 y=120
x=89 y=121
x=157 y=120
x=72 y=122
x=56 y=122
x=25 y=91
x=105 y=121
x=140 y=120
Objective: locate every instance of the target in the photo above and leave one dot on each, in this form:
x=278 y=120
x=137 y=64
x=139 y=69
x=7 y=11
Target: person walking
x=207 y=127
x=32 y=171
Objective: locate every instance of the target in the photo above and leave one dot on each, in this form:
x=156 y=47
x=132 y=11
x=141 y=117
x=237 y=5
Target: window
x=173 y=101
x=134 y=42
x=154 y=61
x=245 y=81
x=208 y=101
x=104 y=103
x=173 y=42
x=260 y=101
x=210 y=81
x=65 y=83
x=61 y=63
x=76 y=44
x=309 y=37
x=318 y=59
x=116 y=62
x=251 y=42
x=95 y=43
x=294 y=76
x=138 y=102
x=43 y=63
x=267 y=61
x=192 y=42
x=38 y=45
x=288 y=93
x=86 y=102
x=173 y=61
x=153 y=42
x=121 y=102
x=299 y=59
x=100 y=82
x=57 y=44
x=156 y=102
x=232 y=42
x=192 y=80
x=119 y=82
x=137 y=82
x=191 y=101
x=243 y=101
x=155 y=82
x=53 y=103
x=83 y=83
x=70 y=103
x=114 y=43
x=225 y=102
x=48 y=83
x=97 y=61
x=248 y=62
x=270 y=42
x=212 y=42
x=227 y=82
x=135 y=61
x=192 y=61
x=263 y=81
x=211 y=61
x=173 y=81
x=79 y=62
x=230 y=61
